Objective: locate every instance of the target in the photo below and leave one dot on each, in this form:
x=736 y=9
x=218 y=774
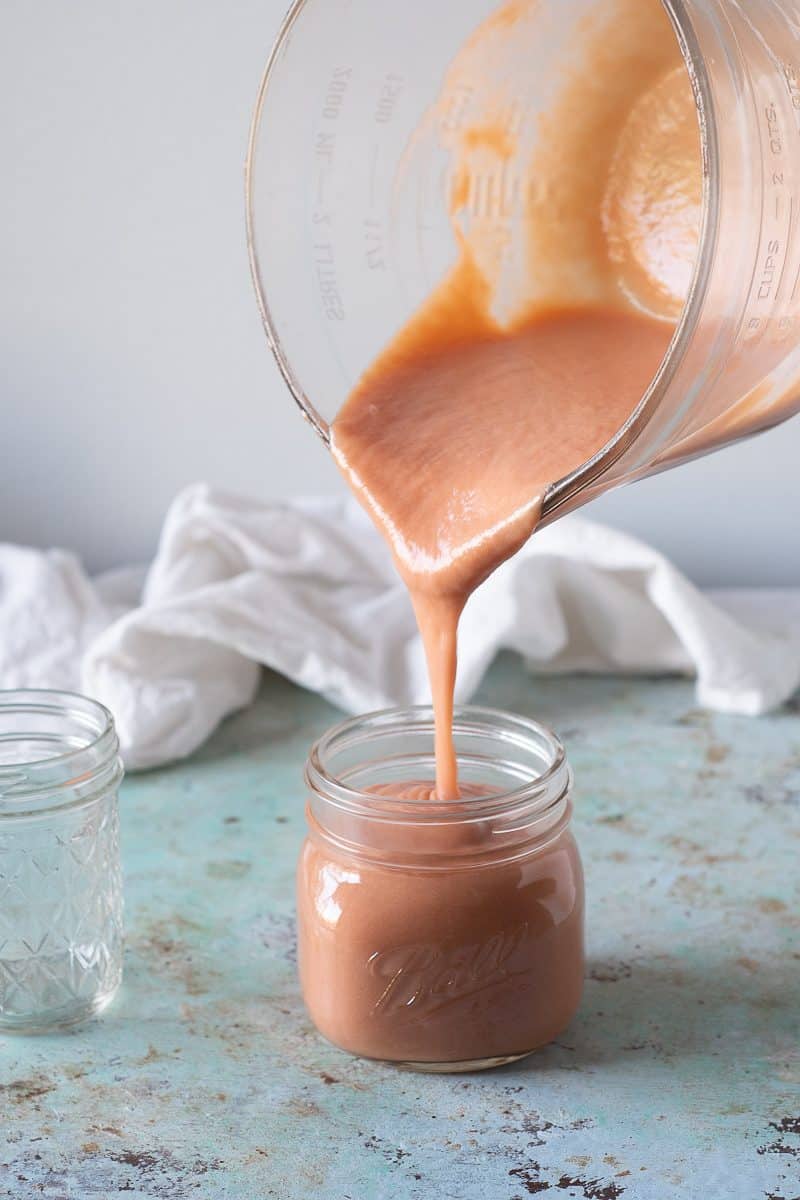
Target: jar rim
x=88 y=765
x=538 y=794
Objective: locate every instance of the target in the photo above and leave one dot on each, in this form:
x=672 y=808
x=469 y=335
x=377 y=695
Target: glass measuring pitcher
x=350 y=195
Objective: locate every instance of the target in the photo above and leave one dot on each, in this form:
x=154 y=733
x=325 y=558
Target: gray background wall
x=132 y=360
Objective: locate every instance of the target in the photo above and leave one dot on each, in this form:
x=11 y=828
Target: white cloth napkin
x=309 y=589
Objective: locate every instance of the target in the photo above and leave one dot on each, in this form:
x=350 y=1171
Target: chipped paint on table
x=680 y=1078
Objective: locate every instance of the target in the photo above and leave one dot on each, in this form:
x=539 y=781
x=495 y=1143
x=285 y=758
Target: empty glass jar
x=60 y=880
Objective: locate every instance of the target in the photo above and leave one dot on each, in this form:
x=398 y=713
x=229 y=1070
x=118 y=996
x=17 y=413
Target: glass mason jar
x=440 y=936
x=60 y=880
x=351 y=184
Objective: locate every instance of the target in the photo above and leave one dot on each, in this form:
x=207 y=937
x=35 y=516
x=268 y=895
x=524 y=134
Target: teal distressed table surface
x=680 y=1079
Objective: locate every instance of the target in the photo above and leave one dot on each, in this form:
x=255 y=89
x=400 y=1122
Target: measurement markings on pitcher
x=324 y=153
x=325 y=138
x=328 y=281
x=391 y=88
x=778 y=216
x=335 y=92
x=373 y=238
x=791 y=75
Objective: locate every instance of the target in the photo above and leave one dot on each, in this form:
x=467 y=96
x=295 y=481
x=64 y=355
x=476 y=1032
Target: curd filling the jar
x=440 y=936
